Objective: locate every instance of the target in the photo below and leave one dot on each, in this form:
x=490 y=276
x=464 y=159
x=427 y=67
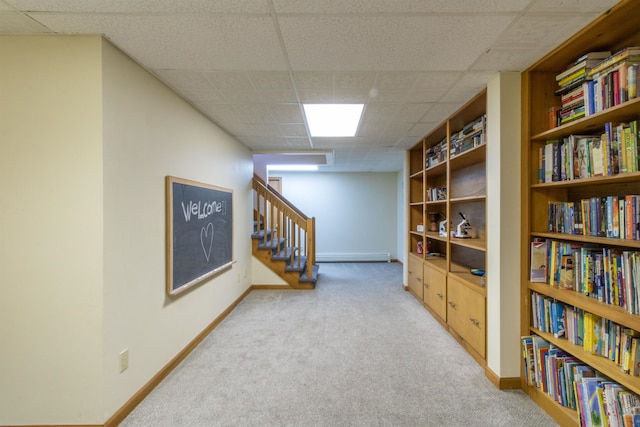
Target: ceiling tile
x=435 y=80
x=295 y=130
x=171 y=42
x=555 y=6
x=286 y=113
x=316 y=97
x=155 y=6
x=355 y=80
x=314 y=81
x=398 y=6
x=388 y=43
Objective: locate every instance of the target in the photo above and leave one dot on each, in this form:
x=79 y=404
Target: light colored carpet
x=357 y=351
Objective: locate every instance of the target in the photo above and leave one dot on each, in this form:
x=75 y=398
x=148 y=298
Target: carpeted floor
x=357 y=351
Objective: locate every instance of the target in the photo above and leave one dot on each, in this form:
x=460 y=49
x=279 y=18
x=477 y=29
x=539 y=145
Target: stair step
x=314 y=275
x=294 y=265
x=284 y=255
x=260 y=234
x=272 y=244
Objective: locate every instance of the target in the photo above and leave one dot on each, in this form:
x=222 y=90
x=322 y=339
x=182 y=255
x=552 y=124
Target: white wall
x=356 y=213
x=87 y=138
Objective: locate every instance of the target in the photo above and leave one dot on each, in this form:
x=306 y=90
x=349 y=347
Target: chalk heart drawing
x=206 y=240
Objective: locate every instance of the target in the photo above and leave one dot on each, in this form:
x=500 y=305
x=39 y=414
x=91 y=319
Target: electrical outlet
x=124 y=359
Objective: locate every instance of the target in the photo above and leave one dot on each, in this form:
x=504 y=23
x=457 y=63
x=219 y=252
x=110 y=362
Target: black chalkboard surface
x=199 y=232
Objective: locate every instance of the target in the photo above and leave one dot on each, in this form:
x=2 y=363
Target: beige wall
x=87 y=138
x=51 y=230
x=503 y=225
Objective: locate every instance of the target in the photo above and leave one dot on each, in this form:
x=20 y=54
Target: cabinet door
x=435 y=291
x=454 y=304
x=466 y=314
x=415 y=276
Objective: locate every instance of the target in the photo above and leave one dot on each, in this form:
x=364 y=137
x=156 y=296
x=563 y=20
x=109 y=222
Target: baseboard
x=506 y=383
x=135 y=400
x=271 y=287
x=353 y=257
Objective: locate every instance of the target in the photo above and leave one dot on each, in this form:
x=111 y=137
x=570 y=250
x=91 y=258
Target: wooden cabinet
x=415 y=276
x=435 y=291
x=446 y=183
x=466 y=314
x=613 y=31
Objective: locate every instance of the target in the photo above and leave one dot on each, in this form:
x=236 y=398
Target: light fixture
x=292 y=167
x=333 y=120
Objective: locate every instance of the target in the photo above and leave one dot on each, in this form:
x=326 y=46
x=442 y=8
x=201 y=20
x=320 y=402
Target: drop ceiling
x=249 y=65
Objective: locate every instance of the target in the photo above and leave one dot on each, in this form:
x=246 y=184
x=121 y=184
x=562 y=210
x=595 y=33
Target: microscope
x=462 y=232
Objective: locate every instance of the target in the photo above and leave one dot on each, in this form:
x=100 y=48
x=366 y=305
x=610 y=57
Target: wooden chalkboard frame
x=193 y=252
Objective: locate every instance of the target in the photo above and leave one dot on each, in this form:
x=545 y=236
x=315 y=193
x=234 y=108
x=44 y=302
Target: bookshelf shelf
x=477 y=244
x=446 y=278
x=605 y=241
x=596 y=180
x=612 y=312
x=468 y=199
x=613 y=31
x=620 y=113
x=602 y=364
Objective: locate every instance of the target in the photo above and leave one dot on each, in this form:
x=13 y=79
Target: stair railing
x=289 y=227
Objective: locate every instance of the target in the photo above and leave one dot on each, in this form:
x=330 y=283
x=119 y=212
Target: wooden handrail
x=289 y=226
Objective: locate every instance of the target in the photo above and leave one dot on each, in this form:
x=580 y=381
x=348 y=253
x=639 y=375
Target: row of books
x=598 y=400
x=436 y=154
x=472 y=135
x=613 y=80
x=607 y=274
x=436 y=193
x=595 y=334
x=612 y=152
x=615 y=217
x=597 y=81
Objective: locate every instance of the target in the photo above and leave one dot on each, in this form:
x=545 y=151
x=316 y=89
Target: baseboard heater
x=355 y=257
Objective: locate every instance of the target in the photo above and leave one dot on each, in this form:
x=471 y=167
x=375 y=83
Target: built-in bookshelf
x=579 y=309
x=446 y=183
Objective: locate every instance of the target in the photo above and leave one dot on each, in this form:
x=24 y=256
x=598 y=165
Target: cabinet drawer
x=435 y=291
x=414 y=276
x=466 y=314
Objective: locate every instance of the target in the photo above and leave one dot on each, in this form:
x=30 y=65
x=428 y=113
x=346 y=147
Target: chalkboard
x=199 y=232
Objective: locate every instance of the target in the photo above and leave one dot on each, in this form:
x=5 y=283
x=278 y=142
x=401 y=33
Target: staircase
x=283 y=237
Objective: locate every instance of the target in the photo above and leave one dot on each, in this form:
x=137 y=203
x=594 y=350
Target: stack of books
x=436 y=154
x=470 y=136
x=613 y=80
x=572 y=83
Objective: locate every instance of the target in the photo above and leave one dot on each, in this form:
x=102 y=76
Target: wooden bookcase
x=439 y=275
x=616 y=29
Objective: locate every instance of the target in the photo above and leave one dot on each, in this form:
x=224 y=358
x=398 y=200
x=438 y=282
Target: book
x=627 y=52
x=538 y=272
x=567 y=273
x=529 y=360
x=596 y=55
x=597 y=157
x=583 y=64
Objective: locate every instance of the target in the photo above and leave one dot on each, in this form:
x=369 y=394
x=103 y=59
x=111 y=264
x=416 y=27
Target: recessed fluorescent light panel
x=292 y=167
x=333 y=120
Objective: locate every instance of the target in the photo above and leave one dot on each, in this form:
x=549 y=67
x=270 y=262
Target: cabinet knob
x=452 y=304
x=474 y=321
x=440 y=296
x=426 y=285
